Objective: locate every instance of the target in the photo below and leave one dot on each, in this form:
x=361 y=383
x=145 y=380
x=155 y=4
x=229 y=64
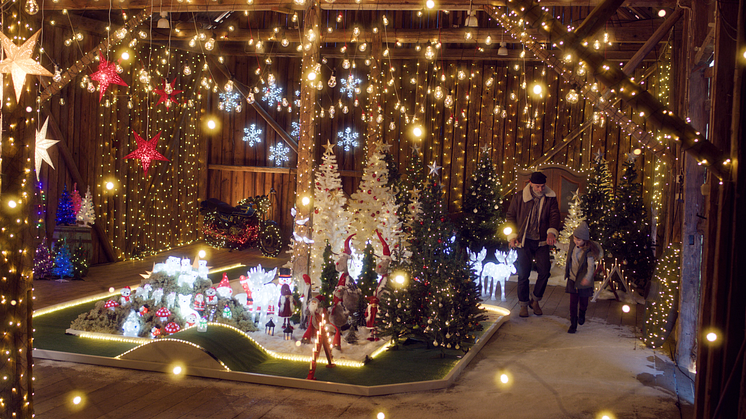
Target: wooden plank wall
x=160 y=210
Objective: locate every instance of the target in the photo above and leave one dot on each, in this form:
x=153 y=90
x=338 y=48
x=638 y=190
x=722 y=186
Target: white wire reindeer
x=492 y=273
x=476 y=259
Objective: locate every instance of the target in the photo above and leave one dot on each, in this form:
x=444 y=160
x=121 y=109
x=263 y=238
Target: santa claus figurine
x=305 y=297
x=370 y=317
x=286 y=305
x=338 y=312
x=199 y=303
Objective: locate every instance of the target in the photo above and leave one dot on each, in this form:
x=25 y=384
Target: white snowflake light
x=295 y=133
x=279 y=153
x=230 y=101
x=349 y=85
x=347 y=139
x=252 y=135
x=272 y=94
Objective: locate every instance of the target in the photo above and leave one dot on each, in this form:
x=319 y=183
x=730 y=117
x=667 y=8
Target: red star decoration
x=146 y=152
x=106 y=75
x=167 y=92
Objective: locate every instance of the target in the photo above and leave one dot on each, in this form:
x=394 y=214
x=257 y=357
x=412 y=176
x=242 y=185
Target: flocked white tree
x=87 y=214
x=330 y=220
x=572 y=221
x=374 y=206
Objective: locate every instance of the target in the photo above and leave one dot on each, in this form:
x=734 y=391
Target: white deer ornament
x=492 y=273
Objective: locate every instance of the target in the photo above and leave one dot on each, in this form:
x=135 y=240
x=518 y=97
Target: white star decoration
x=434 y=168
x=42 y=144
x=18 y=62
x=385 y=148
x=485 y=148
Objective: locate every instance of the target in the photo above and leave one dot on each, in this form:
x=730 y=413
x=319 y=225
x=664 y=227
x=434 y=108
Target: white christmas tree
x=374 y=206
x=87 y=215
x=330 y=220
x=572 y=221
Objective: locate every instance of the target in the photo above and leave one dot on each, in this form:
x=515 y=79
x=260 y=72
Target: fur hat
x=538 y=178
x=582 y=232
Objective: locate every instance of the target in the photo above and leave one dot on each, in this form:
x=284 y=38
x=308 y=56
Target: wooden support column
x=374 y=98
x=691 y=202
x=306 y=143
x=720 y=366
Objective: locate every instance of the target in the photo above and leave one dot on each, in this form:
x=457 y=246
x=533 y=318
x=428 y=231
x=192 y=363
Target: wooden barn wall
x=145 y=213
x=158 y=211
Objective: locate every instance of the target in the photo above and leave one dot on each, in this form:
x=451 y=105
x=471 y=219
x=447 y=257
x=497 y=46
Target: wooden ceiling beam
x=286 y=6
x=450 y=54
x=597 y=18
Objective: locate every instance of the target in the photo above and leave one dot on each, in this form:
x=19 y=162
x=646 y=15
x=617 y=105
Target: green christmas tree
x=444 y=308
x=400 y=302
x=662 y=299
x=483 y=211
x=572 y=221
x=411 y=188
x=629 y=239
x=328 y=276
x=80 y=262
x=596 y=203
x=65 y=210
x=63 y=265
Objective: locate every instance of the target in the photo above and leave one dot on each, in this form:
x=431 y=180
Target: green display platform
x=410 y=368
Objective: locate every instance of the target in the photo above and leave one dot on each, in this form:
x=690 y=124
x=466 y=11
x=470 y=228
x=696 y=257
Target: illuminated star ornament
x=146 y=151
x=42 y=144
x=434 y=168
x=167 y=92
x=106 y=75
x=18 y=62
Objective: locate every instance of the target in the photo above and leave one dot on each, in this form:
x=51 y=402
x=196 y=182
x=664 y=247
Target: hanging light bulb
x=496 y=111
x=572 y=97
x=210 y=44
x=333 y=79
x=57 y=75
x=448 y=100
x=429 y=53
x=332 y=111
x=438 y=94
x=31 y=7
x=62 y=101
x=187 y=70
x=346 y=64
x=250 y=98
x=504 y=114
x=392 y=125
x=489 y=82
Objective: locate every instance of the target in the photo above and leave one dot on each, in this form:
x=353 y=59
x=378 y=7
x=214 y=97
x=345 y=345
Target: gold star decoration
x=18 y=62
x=329 y=147
x=42 y=144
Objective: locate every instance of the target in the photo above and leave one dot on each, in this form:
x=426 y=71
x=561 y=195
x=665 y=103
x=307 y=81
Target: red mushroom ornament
x=172 y=328
x=111 y=305
x=163 y=313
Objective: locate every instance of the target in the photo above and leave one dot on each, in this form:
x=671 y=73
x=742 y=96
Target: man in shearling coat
x=535 y=218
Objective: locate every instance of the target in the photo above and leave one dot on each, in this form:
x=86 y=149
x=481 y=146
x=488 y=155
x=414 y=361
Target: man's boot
x=524 y=311
x=581 y=318
x=535 y=307
x=573 y=325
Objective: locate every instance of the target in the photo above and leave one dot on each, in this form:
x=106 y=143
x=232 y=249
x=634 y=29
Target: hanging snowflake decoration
x=272 y=94
x=349 y=85
x=252 y=135
x=347 y=139
x=295 y=133
x=230 y=101
x=279 y=153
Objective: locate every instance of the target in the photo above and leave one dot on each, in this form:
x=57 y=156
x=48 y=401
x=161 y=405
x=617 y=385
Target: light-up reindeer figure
x=498 y=272
x=476 y=259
